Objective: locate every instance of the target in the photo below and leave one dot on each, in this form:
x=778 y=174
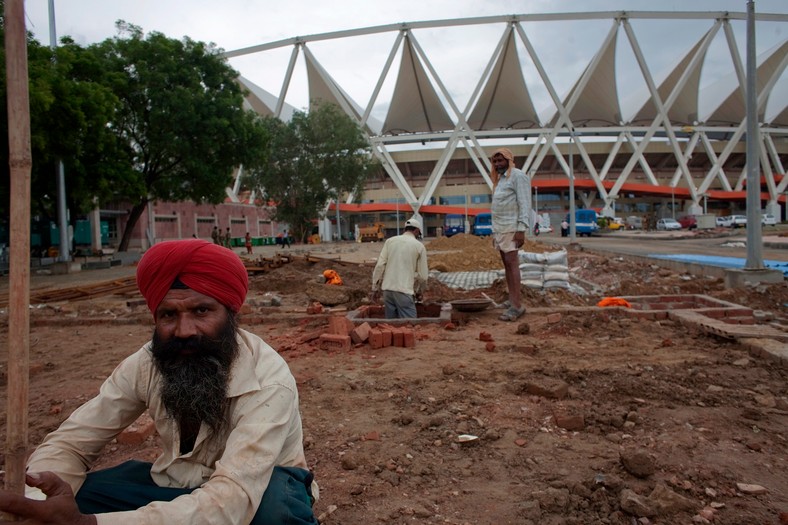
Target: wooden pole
x=20 y=162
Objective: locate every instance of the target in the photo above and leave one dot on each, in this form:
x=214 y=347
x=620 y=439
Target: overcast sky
x=459 y=55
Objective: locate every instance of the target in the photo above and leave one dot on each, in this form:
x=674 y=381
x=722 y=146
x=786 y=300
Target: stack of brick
x=343 y=333
x=384 y=335
x=338 y=336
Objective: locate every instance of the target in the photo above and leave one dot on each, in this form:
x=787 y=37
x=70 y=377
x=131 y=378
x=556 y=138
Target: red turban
x=203 y=266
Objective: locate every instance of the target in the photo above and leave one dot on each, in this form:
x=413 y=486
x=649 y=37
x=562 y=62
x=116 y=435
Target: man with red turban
x=223 y=401
x=511 y=212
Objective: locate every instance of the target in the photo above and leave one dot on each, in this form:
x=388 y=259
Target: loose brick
x=553 y=318
x=546 y=387
x=409 y=339
x=335 y=342
x=360 y=334
x=485 y=336
x=396 y=337
x=571 y=422
x=388 y=337
x=340 y=325
x=376 y=338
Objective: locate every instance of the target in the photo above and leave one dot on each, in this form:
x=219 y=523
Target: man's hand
x=60 y=507
x=374 y=296
x=519 y=239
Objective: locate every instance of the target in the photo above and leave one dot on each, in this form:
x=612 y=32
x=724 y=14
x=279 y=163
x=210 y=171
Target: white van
x=767 y=219
x=634 y=222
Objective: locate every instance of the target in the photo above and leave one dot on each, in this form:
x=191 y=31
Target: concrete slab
x=739 y=278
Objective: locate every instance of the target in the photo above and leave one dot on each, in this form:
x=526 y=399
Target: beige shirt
x=401 y=266
x=232 y=473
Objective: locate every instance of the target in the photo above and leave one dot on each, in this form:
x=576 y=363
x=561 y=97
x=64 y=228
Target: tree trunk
x=134 y=217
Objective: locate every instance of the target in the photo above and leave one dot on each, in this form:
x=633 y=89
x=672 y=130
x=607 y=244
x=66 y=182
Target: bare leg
x=511 y=265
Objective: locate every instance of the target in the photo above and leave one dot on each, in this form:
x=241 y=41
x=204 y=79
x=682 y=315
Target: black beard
x=501 y=171
x=194 y=386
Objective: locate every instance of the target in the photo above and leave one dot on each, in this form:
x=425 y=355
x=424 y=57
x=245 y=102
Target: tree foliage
x=69 y=116
x=180 y=117
x=133 y=119
x=311 y=160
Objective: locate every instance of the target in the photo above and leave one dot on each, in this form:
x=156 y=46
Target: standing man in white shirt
x=511 y=212
x=401 y=272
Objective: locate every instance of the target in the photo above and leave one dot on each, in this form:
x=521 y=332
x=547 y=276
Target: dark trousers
x=129 y=486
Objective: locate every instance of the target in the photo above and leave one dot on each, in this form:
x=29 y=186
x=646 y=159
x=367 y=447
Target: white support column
x=658 y=120
x=280 y=102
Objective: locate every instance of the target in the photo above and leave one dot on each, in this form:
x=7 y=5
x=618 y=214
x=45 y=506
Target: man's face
x=194 y=345
x=500 y=163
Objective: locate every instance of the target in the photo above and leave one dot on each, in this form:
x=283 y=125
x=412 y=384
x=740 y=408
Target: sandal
x=512 y=314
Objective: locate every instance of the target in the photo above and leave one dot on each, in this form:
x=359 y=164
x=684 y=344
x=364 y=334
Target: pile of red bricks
x=343 y=334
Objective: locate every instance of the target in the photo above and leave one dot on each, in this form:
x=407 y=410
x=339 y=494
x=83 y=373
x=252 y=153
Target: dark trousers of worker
x=129 y=486
x=399 y=305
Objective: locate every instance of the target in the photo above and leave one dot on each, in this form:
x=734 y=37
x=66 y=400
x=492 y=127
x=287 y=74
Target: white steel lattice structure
x=665 y=145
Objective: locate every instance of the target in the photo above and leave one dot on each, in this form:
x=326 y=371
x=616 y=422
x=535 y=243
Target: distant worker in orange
x=248 y=241
x=332 y=277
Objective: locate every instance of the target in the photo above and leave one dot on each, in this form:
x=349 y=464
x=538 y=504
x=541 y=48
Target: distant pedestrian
x=227 y=238
x=248 y=242
x=285 y=240
x=216 y=235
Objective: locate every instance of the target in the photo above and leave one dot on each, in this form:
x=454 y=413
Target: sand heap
x=467 y=253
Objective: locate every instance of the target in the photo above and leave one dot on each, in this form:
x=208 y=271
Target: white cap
x=414 y=223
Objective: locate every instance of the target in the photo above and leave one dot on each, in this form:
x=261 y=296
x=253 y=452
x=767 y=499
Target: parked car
x=668 y=225
x=616 y=223
x=738 y=221
x=767 y=219
x=725 y=221
x=689 y=222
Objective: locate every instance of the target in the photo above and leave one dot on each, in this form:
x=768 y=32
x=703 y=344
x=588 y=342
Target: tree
x=69 y=116
x=180 y=118
x=314 y=158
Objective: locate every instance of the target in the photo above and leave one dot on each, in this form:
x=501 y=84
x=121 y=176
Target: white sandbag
x=556 y=276
x=556 y=284
x=532 y=283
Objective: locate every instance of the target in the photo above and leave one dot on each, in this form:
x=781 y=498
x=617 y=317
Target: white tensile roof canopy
x=422 y=108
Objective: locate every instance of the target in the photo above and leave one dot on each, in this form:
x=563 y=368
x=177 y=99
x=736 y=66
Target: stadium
x=647 y=118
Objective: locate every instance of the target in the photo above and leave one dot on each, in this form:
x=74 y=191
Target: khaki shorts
x=504 y=242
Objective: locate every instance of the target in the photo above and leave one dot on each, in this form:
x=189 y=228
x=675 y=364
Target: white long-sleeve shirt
x=232 y=473
x=511 y=203
x=402 y=265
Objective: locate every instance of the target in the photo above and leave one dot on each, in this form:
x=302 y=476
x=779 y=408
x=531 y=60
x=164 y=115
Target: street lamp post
x=572 y=225
x=398 y=215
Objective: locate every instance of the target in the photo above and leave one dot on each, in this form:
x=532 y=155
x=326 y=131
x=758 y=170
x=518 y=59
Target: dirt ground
x=577 y=415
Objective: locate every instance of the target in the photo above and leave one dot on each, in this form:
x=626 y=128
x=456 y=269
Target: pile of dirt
x=467 y=253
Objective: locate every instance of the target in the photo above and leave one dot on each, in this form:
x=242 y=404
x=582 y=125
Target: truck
x=585 y=222
x=482 y=225
x=453 y=224
x=372 y=233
